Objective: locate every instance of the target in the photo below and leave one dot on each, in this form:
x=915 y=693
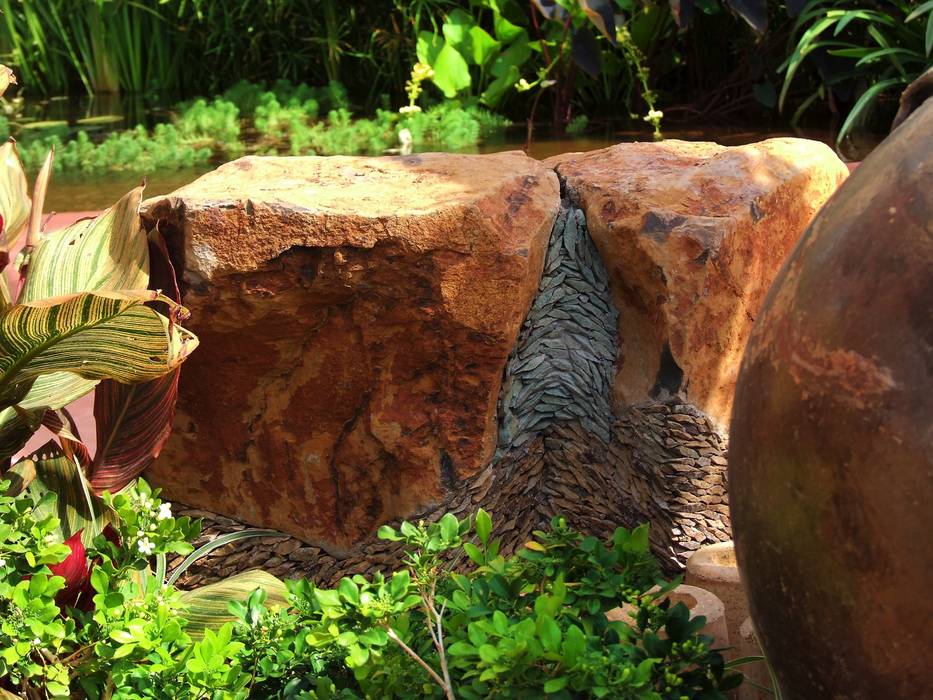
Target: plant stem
x=411 y=652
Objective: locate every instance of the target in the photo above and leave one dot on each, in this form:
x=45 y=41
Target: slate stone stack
x=562 y=367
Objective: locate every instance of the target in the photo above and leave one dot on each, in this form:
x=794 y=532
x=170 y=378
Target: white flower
x=409 y=109
x=165 y=511
x=654 y=114
x=145 y=546
x=2 y=563
x=37 y=641
x=140 y=533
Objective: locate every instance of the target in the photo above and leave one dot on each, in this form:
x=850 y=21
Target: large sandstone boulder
x=355 y=317
x=692 y=234
x=362 y=318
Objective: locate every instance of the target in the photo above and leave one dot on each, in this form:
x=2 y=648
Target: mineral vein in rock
x=562 y=367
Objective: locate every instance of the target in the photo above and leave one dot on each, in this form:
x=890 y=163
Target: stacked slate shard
x=562 y=367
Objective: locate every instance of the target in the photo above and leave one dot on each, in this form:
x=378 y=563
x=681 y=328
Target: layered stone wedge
x=355 y=316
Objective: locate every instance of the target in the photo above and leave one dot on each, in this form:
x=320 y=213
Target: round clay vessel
x=831 y=445
x=714 y=569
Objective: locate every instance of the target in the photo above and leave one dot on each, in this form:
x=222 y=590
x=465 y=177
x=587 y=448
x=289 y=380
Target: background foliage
x=706 y=59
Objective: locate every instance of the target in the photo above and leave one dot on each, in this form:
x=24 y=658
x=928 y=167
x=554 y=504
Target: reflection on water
x=82 y=192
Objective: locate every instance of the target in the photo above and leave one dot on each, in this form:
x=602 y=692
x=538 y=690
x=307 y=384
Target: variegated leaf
x=108 y=253
x=208 y=604
x=76 y=507
x=133 y=423
x=94 y=335
x=16 y=427
x=14 y=197
x=134 y=420
x=60 y=423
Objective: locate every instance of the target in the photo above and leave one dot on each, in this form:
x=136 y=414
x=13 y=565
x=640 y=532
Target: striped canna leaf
x=50 y=391
x=107 y=253
x=134 y=420
x=76 y=507
x=14 y=199
x=207 y=606
x=93 y=335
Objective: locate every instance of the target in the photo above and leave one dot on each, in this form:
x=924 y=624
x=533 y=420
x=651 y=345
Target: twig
x=408 y=650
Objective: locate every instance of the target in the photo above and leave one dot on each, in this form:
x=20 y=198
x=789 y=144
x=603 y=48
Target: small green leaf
x=483 y=526
x=556 y=684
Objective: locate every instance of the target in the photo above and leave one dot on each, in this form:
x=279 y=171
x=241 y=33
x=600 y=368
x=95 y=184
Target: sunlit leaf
x=94 y=335
x=451 y=72
x=207 y=606
x=216 y=543
x=107 y=253
x=14 y=197
x=76 y=507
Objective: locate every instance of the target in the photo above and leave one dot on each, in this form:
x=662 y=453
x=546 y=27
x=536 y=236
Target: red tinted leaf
x=77 y=575
x=135 y=420
x=133 y=423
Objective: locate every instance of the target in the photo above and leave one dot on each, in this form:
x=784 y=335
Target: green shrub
x=457 y=619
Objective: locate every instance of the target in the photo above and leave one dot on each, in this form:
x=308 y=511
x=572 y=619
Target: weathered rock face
x=355 y=316
x=692 y=234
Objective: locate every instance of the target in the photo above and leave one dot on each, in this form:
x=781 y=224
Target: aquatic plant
x=859 y=48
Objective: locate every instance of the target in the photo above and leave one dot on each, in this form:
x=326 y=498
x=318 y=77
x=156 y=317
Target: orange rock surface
x=355 y=315
x=692 y=235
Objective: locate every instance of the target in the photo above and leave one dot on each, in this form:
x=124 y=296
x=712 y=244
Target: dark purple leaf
x=585 y=52
x=682 y=11
x=602 y=14
x=755 y=12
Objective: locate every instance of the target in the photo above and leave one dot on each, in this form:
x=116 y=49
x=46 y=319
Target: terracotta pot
x=831 y=446
x=715 y=569
x=699 y=602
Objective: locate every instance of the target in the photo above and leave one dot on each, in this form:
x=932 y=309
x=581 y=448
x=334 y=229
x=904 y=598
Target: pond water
x=83 y=192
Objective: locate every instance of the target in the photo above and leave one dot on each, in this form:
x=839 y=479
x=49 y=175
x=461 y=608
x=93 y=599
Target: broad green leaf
x=456 y=31
x=483 y=526
x=482 y=46
x=451 y=72
x=501 y=85
x=14 y=195
x=100 y=335
x=108 y=253
x=207 y=606
x=514 y=56
x=505 y=31
x=428 y=47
